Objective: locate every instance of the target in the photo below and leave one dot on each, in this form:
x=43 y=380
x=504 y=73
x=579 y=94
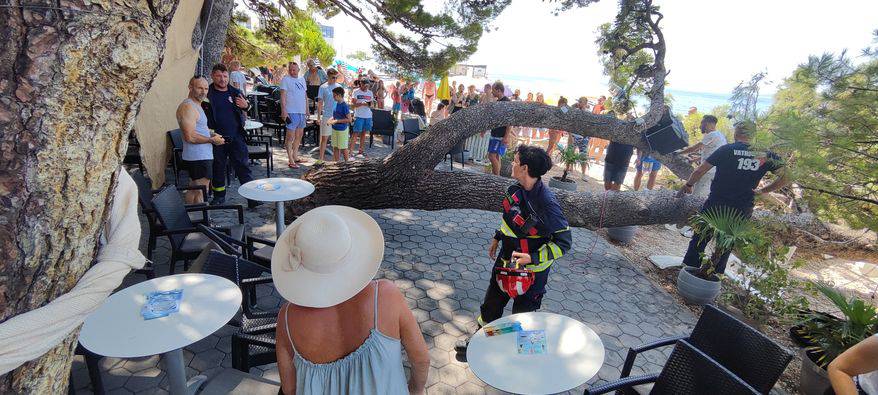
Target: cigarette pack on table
x=494 y=330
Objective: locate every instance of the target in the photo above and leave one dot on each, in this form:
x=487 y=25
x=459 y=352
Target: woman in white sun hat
x=323 y=265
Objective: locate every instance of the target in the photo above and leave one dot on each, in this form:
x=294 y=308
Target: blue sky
x=712 y=44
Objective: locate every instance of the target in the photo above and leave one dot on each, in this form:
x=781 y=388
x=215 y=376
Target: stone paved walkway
x=439 y=260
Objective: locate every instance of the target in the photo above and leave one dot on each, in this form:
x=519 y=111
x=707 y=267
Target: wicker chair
x=186 y=240
x=688 y=371
x=746 y=352
x=253 y=345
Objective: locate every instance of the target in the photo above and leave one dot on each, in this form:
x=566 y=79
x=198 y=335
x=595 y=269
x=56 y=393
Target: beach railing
x=478 y=147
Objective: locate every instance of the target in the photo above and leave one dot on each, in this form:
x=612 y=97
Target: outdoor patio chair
x=259 y=148
x=176 y=138
x=383 y=124
x=746 y=352
x=687 y=371
x=92 y=364
x=411 y=129
x=144 y=197
x=257 y=327
x=458 y=149
x=186 y=240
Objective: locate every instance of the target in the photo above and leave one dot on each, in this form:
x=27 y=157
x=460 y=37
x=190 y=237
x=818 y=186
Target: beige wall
x=157 y=112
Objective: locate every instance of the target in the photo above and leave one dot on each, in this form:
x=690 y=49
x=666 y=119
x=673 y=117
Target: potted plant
x=764 y=283
x=729 y=230
x=829 y=336
x=569 y=158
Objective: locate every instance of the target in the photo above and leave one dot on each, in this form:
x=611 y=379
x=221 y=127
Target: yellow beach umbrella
x=444 y=92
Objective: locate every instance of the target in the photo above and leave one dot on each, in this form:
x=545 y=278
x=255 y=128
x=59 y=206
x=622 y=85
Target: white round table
x=116 y=329
x=250 y=125
x=256 y=95
x=574 y=354
x=278 y=190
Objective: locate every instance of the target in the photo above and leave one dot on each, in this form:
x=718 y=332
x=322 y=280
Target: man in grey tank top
x=197 y=139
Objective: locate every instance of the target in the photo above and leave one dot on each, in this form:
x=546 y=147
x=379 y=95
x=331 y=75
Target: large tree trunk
x=72 y=75
x=407 y=179
x=214 y=25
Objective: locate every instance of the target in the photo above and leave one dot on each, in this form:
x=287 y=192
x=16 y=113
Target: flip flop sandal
x=293 y=165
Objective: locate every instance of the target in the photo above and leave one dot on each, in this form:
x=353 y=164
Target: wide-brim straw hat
x=326 y=256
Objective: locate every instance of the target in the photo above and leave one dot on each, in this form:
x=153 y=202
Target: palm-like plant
x=569 y=158
x=729 y=230
x=831 y=337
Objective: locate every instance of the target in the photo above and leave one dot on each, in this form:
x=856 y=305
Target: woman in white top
x=855 y=371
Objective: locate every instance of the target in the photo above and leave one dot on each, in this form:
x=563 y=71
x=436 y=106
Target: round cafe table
x=278 y=190
x=574 y=354
x=250 y=125
x=116 y=329
x=256 y=95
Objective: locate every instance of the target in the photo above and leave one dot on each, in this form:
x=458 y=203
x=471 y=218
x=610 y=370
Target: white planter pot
x=622 y=234
x=696 y=290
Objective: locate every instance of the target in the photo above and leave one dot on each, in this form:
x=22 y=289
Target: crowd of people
x=322 y=326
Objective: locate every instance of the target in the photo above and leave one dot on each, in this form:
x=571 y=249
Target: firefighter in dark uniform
x=533 y=233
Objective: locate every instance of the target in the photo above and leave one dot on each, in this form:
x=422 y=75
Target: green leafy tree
x=283 y=37
x=405 y=36
x=825 y=116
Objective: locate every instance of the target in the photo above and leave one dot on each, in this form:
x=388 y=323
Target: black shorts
x=199 y=169
x=312 y=91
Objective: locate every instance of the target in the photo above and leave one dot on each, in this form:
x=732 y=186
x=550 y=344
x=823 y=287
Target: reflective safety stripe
x=542 y=266
x=505 y=229
x=218 y=189
x=481 y=321
x=556 y=251
x=544 y=254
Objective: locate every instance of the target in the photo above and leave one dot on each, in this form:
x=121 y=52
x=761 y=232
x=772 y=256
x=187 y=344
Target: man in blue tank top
x=739 y=169
x=197 y=139
x=225 y=115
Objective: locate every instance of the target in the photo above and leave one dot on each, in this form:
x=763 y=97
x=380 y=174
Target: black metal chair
x=411 y=129
x=259 y=148
x=186 y=240
x=253 y=345
x=92 y=362
x=257 y=327
x=176 y=138
x=144 y=196
x=458 y=149
x=383 y=124
x=746 y=352
x=688 y=371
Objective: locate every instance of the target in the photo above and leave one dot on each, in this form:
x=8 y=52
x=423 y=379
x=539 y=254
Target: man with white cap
x=323 y=264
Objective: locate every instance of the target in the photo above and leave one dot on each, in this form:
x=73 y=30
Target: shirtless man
x=197 y=140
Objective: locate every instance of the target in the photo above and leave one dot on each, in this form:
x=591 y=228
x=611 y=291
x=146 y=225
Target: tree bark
x=214 y=24
x=72 y=75
x=407 y=179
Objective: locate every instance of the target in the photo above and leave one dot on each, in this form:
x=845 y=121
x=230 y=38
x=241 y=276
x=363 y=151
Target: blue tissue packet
x=161 y=304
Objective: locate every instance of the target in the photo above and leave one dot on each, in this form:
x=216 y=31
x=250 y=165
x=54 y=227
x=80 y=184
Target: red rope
x=596 y=236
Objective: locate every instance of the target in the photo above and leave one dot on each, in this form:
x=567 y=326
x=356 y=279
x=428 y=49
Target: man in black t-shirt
x=499 y=136
x=616 y=165
x=738 y=172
